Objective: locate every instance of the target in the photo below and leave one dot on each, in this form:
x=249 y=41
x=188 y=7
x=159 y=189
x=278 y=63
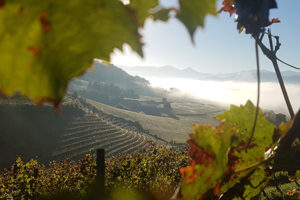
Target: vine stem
x=258 y=93
x=271 y=54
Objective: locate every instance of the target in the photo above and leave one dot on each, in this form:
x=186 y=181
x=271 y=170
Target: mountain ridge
x=190 y=73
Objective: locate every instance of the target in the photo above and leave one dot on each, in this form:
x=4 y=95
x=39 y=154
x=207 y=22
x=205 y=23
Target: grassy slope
x=189 y=113
x=30 y=131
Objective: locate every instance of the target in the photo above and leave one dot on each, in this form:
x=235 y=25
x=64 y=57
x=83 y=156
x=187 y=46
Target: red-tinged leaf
x=200 y=155
x=233 y=160
x=21 y=10
x=45 y=23
x=221 y=157
x=189 y=172
x=282 y=130
x=3 y=95
x=228 y=6
x=275 y=20
x=208 y=150
x=2 y=3
x=35 y=50
x=243 y=146
x=217 y=190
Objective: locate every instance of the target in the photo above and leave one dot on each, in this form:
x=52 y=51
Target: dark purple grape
x=253 y=15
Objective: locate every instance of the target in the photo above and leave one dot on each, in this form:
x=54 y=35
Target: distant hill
x=113 y=86
x=111 y=75
x=266 y=76
x=190 y=73
x=165 y=71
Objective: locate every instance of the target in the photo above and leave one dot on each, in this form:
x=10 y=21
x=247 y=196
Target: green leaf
x=220 y=159
x=248 y=187
x=242 y=118
x=45 y=44
x=193 y=12
x=209 y=149
x=257 y=181
x=298 y=173
x=162 y=15
x=142 y=8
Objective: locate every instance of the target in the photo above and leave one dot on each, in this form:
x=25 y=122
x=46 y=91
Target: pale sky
x=219 y=48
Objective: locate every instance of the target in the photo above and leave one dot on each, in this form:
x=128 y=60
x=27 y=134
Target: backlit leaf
x=284 y=128
x=142 y=8
x=220 y=159
x=228 y=6
x=162 y=15
x=45 y=44
x=298 y=174
x=209 y=149
x=193 y=12
x=242 y=118
x=257 y=181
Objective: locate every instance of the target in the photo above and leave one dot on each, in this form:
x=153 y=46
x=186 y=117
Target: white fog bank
x=237 y=93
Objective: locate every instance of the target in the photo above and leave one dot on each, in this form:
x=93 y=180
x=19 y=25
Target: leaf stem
x=253 y=166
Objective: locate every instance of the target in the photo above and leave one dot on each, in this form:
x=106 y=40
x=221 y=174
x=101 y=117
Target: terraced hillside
x=92 y=131
x=166 y=128
x=31 y=131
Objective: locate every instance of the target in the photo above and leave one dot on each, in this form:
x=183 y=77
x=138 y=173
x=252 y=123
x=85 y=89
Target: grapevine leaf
x=242 y=118
x=274 y=20
x=240 y=158
x=162 y=14
x=142 y=8
x=2 y=3
x=257 y=181
x=209 y=148
x=219 y=156
x=45 y=44
x=228 y=6
x=248 y=187
x=193 y=12
x=282 y=130
x=298 y=174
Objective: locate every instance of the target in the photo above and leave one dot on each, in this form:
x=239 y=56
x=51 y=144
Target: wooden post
x=100 y=178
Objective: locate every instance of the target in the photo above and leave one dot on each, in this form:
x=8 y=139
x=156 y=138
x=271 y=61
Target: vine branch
x=292 y=66
x=271 y=54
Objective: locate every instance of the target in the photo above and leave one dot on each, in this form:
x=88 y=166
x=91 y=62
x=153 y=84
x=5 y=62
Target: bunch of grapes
x=253 y=15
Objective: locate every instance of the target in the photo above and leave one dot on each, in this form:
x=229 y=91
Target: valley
x=106 y=108
x=36 y=132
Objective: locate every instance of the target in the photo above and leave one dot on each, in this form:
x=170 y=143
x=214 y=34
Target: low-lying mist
x=229 y=92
